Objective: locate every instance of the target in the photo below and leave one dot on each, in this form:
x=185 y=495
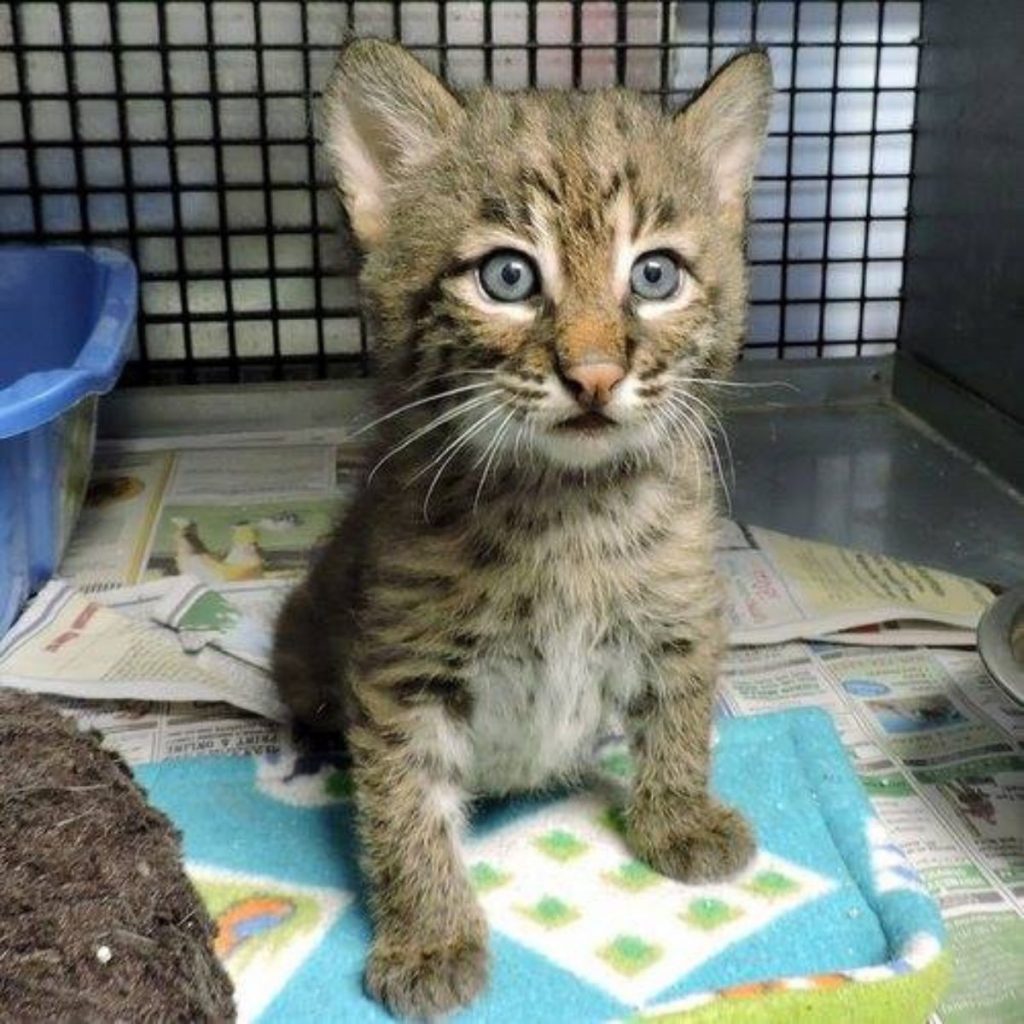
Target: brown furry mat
x=98 y=921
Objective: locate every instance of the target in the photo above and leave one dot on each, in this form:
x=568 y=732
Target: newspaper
x=230 y=514
x=782 y=588
x=68 y=644
x=231 y=524
x=937 y=747
x=145 y=731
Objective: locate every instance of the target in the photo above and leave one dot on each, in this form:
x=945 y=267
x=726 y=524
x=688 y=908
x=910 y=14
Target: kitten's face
x=568 y=265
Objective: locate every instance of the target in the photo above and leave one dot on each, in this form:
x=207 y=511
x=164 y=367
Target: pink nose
x=592 y=383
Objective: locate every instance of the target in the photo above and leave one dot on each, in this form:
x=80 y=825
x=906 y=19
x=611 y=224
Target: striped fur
x=505 y=586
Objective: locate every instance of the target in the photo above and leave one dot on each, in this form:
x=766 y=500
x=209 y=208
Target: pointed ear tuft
x=727 y=122
x=384 y=114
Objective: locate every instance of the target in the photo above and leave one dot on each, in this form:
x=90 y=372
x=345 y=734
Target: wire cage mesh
x=184 y=133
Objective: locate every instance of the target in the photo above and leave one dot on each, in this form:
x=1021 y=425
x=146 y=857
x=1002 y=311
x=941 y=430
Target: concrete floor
x=872 y=476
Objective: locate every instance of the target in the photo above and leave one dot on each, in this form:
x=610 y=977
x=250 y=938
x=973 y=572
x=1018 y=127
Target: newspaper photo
x=223 y=515
x=236 y=618
x=122 y=504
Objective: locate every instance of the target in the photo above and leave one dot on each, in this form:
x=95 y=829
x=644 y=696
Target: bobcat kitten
x=558 y=282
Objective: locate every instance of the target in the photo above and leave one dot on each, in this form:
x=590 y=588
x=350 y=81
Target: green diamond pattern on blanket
x=771 y=885
x=550 y=912
x=560 y=845
x=708 y=913
x=485 y=877
x=629 y=955
x=633 y=875
x=629 y=918
x=830 y=922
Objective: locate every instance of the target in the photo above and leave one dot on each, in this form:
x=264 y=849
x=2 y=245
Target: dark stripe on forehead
x=641 y=210
x=632 y=173
x=587 y=219
x=666 y=212
x=532 y=178
x=613 y=189
x=496 y=209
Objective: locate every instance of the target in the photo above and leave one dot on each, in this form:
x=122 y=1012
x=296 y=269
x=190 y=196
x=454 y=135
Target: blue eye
x=655 y=276
x=508 y=276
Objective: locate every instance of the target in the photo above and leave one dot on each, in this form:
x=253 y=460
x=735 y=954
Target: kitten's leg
x=306 y=671
x=673 y=823
x=429 y=953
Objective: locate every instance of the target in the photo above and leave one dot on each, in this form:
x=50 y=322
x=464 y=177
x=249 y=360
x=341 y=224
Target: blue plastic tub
x=66 y=318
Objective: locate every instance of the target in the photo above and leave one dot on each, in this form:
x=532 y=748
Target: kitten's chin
x=584 y=448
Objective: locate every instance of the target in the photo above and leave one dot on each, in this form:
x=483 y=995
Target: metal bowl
x=1001 y=642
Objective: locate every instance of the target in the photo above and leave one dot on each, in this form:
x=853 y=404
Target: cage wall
x=185 y=134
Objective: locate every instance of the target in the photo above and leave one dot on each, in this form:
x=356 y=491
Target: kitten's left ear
x=727 y=122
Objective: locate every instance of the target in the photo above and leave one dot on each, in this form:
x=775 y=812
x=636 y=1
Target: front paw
x=421 y=979
x=706 y=842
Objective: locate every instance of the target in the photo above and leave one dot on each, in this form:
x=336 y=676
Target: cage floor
x=863 y=474
x=874 y=477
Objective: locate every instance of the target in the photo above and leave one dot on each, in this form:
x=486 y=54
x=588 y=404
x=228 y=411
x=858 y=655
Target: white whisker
x=515 y=445
x=451 y=451
x=682 y=426
x=492 y=448
x=716 y=422
x=457 y=440
x=664 y=440
x=707 y=439
x=445 y=417
x=418 y=402
x=714 y=383
x=420 y=382
x=696 y=438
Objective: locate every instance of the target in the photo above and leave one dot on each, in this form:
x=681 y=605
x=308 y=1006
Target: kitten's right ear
x=727 y=122
x=384 y=114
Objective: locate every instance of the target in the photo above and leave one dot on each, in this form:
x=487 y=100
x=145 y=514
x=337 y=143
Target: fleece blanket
x=830 y=923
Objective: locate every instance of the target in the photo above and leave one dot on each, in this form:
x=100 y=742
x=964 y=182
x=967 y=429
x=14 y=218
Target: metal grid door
x=183 y=133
